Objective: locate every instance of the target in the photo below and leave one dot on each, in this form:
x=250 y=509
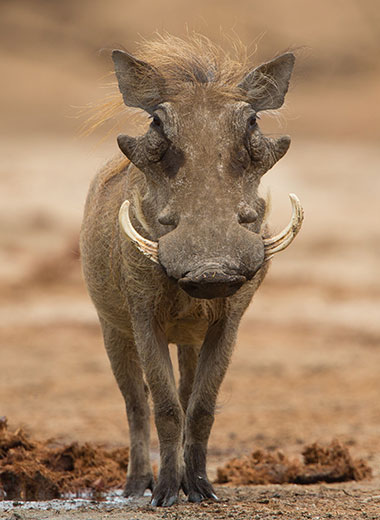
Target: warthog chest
x=190 y=331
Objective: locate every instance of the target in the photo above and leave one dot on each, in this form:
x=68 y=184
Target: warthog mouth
x=272 y=245
x=211 y=282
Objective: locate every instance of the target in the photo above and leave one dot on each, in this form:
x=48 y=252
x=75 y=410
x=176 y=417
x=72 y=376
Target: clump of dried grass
x=35 y=470
x=332 y=463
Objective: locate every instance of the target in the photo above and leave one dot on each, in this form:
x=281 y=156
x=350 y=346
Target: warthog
x=174 y=244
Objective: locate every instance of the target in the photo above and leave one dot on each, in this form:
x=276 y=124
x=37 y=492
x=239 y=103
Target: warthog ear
x=267 y=85
x=140 y=84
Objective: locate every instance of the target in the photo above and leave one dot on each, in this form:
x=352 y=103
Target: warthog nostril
x=211 y=284
x=246 y=214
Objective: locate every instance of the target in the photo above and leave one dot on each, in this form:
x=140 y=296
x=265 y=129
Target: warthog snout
x=211 y=281
x=212 y=262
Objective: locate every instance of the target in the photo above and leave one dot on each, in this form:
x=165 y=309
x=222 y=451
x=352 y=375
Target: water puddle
x=111 y=500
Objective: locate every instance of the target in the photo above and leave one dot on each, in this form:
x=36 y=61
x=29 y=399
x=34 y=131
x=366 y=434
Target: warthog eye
x=252 y=121
x=156 y=121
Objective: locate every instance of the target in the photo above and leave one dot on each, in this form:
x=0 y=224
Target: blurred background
x=306 y=363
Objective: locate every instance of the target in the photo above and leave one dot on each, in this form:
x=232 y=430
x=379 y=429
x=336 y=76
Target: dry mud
x=33 y=470
x=332 y=463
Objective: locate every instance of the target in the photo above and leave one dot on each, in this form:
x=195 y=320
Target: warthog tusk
x=149 y=248
x=282 y=240
x=271 y=245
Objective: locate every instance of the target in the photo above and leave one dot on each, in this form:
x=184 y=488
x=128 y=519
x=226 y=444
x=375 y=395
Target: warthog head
x=203 y=157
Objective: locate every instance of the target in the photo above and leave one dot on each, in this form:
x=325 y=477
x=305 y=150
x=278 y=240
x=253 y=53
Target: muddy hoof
x=165 y=493
x=199 y=489
x=136 y=486
x=164 y=501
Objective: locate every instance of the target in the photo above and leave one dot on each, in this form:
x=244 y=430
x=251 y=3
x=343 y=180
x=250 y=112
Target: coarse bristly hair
x=195 y=61
x=184 y=64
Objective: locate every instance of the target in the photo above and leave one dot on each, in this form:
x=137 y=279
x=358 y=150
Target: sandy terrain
x=306 y=365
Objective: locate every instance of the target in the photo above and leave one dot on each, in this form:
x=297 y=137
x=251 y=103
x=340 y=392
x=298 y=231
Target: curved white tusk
x=285 y=238
x=149 y=248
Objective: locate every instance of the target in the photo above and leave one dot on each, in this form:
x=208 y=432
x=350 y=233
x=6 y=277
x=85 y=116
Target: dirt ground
x=306 y=364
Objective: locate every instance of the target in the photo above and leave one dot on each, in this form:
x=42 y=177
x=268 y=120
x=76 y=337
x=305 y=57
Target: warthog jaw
x=272 y=245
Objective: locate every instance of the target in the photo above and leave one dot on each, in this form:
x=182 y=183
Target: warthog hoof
x=165 y=492
x=199 y=489
x=136 y=485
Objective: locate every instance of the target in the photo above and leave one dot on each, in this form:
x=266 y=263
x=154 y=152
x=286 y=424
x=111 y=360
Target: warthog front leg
x=126 y=367
x=169 y=417
x=212 y=365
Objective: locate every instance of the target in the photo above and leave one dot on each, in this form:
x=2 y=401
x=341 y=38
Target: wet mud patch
x=331 y=463
x=33 y=470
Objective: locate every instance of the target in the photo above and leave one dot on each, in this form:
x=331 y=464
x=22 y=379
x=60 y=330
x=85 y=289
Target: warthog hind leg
x=187 y=362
